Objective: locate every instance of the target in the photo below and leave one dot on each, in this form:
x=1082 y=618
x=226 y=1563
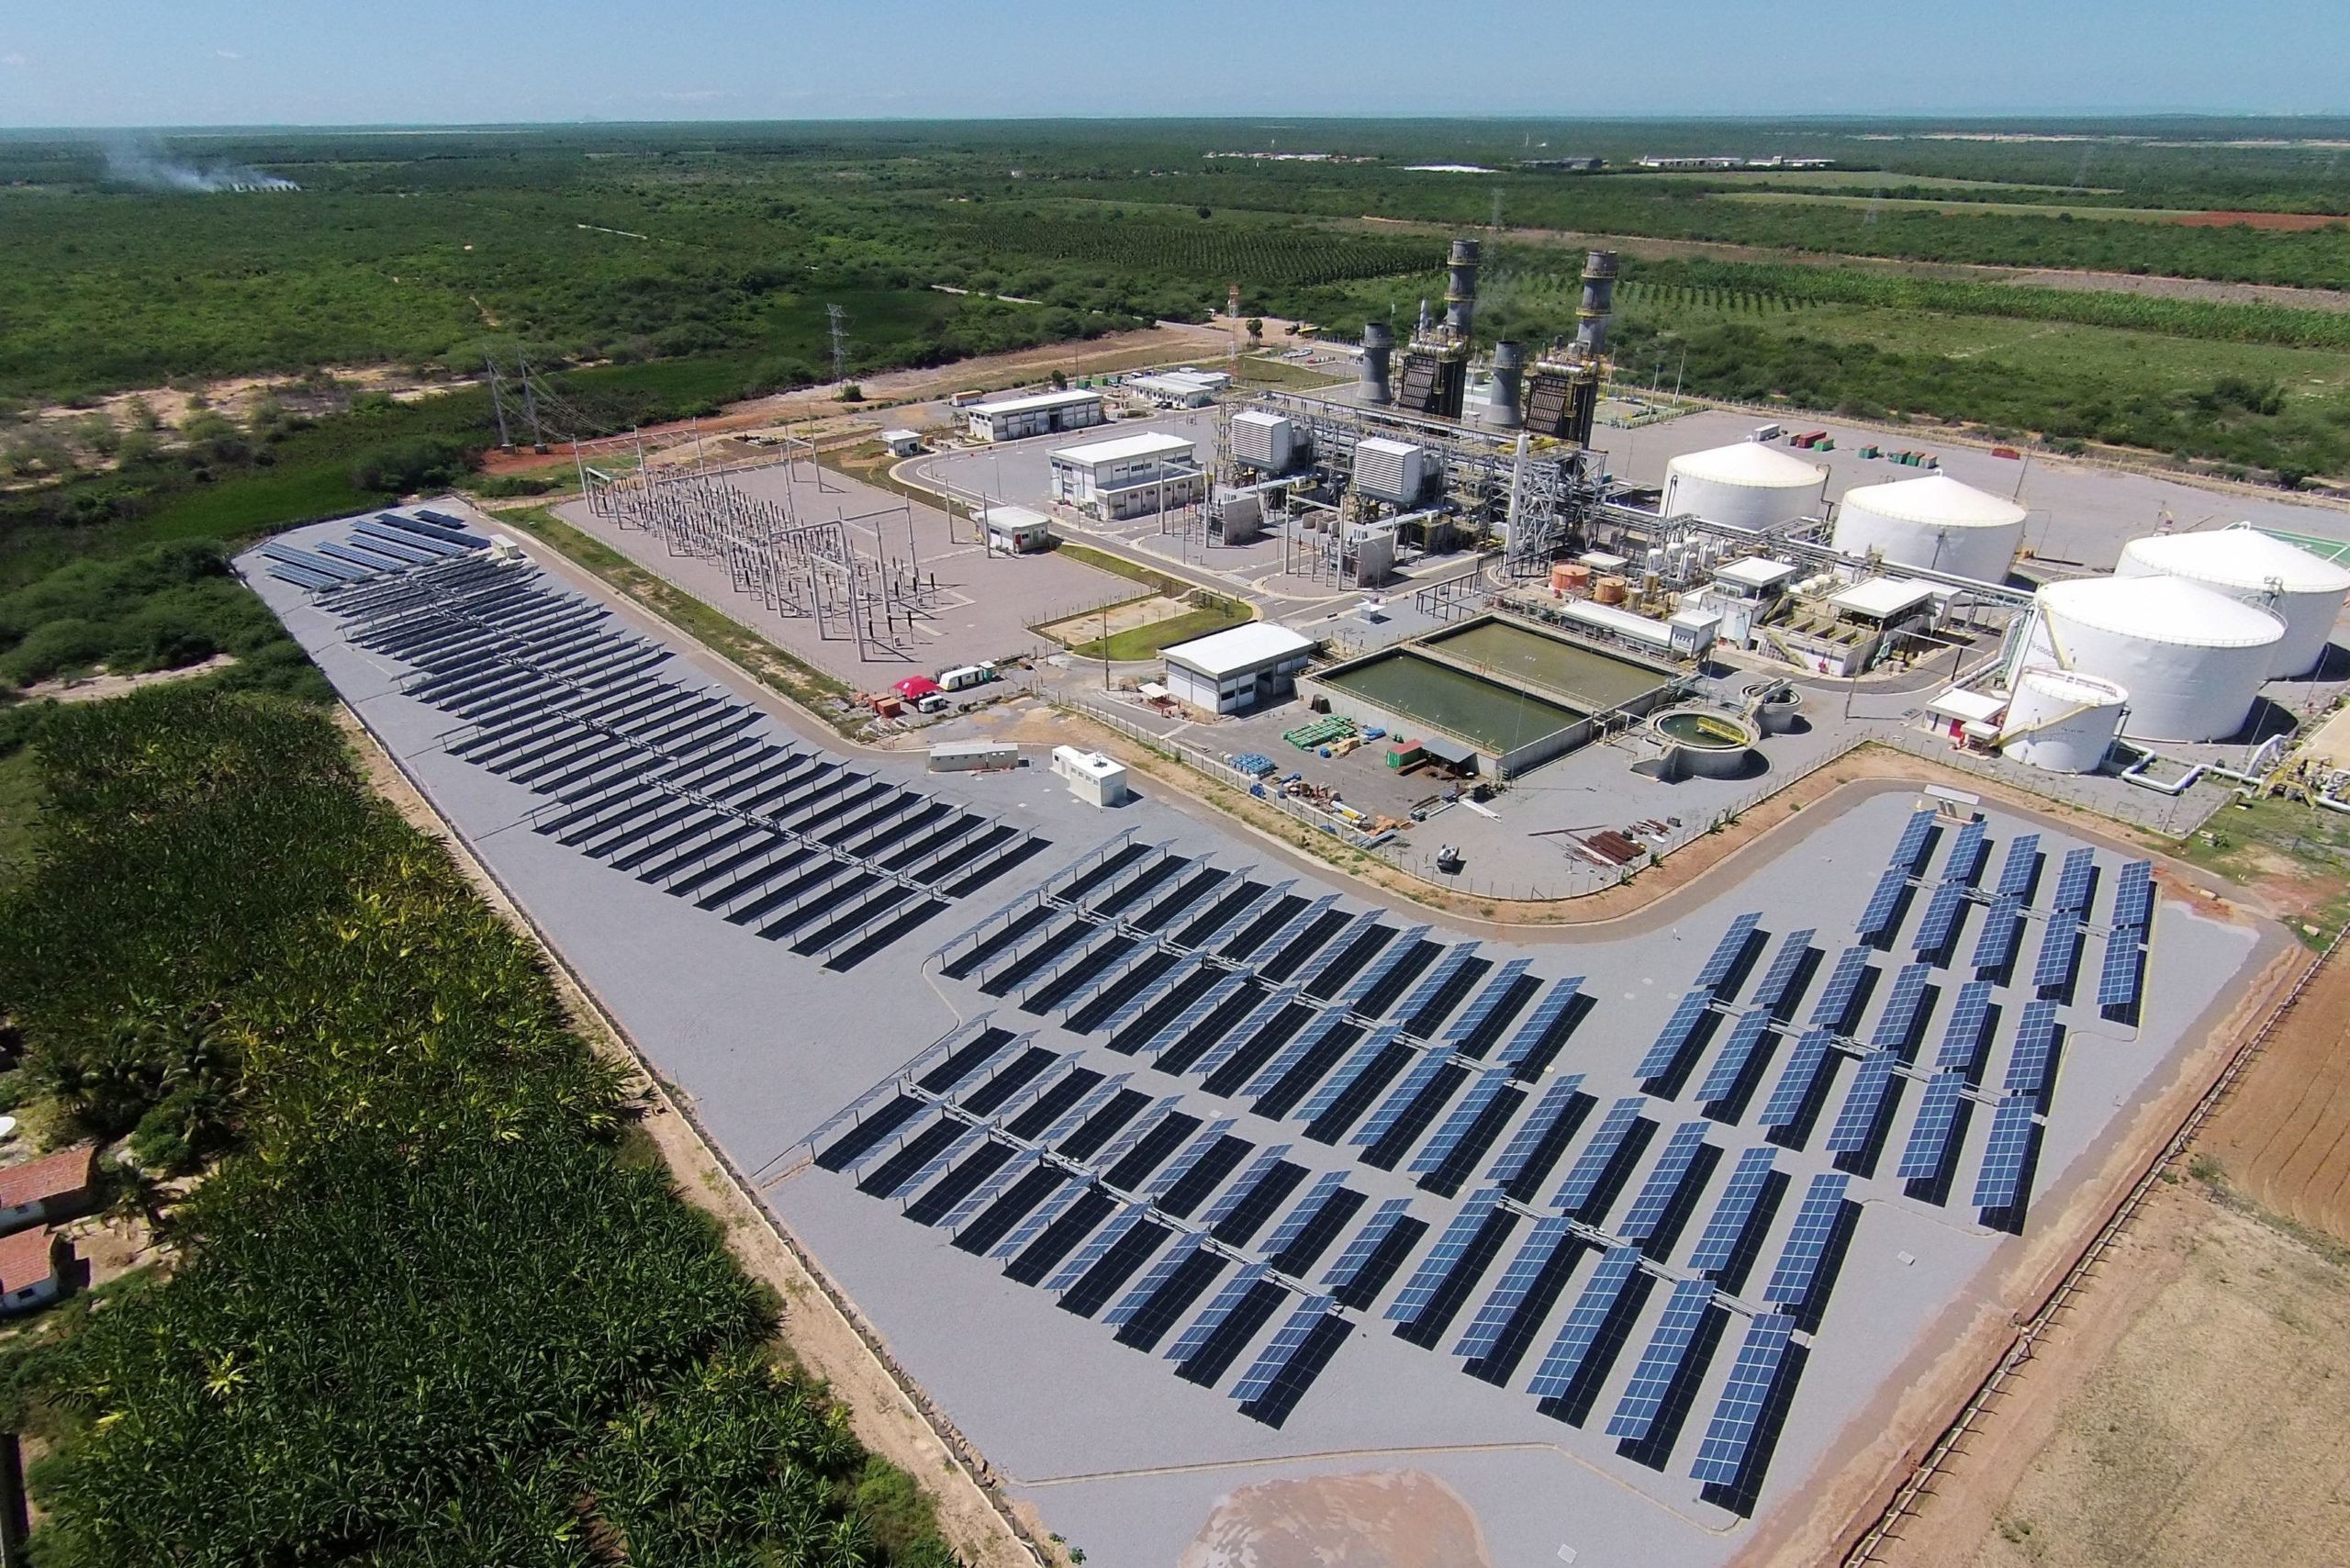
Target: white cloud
x=11 y=59
x=228 y=54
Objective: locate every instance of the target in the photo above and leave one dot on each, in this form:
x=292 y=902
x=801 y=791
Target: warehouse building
x=1234 y=670
x=1179 y=388
x=1042 y=413
x=1130 y=476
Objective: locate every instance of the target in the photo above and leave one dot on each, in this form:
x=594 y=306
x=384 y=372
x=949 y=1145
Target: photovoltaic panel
x=1532 y=1035
x=1293 y=1053
x=1994 y=950
x=2000 y=1184
x=1675 y=1037
x=1206 y=1003
x=1175 y=1170
x=2015 y=870
x=1294 y=1225
x=1722 y=1455
x=1928 y=1146
x=1473 y=1105
x=1444 y=1257
x=2133 y=896
x=1962 y=1045
x=1746 y=1038
x=1843 y=985
x=1878 y=914
x=987 y=1192
x=2072 y=882
x=1259 y=1169
x=1038 y=1218
x=1193 y=1338
x=1896 y=1024
x=1734 y=1211
x=1397 y=953
x=1097 y=1245
x=1856 y=1123
x=1282 y=1350
x=1966 y=854
x=2035 y=1043
x=1785 y=966
x=1367 y=1241
x=1373 y=1047
x=1943 y=912
x=1807 y=1246
x=1584 y=1177
x=2060 y=946
x=1174 y=1258
x=1517 y=1282
x=1489 y=1000
x=1662 y=1362
x=1727 y=951
x=1555 y=1379
x=1425 y=1071
x=1441 y=977
x=1243 y=1032
x=1797 y=1080
x=2120 y=979
x=1911 y=847
x=1134 y=1132
x=1665 y=1182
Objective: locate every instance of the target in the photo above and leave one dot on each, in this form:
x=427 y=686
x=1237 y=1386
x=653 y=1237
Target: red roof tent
x=914 y=687
x=51 y=1176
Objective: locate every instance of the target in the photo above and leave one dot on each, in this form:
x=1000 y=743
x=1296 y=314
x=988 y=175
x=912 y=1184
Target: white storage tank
x=2063 y=720
x=1746 y=485
x=2305 y=591
x=2192 y=659
x=1936 y=523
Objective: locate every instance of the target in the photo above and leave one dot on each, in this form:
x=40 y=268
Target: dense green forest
x=433 y=1306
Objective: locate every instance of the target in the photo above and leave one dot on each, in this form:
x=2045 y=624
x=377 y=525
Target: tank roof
x=2163 y=609
x=2240 y=558
x=1749 y=462
x=1935 y=499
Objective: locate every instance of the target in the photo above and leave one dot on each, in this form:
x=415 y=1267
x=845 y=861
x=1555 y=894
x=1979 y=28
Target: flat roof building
x=1234 y=670
x=1040 y=413
x=1129 y=475
x=1017 y=531
x=1180 y=388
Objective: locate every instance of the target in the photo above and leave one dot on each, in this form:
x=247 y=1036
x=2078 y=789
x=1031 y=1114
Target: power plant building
x=1234 y=670
x=1129 y=475
x=1042 y=413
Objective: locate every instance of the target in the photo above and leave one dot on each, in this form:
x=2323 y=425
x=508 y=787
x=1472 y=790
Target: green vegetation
x=424 y=1313
x=2300 y=853
x=1118 y=565
x=1150 y=642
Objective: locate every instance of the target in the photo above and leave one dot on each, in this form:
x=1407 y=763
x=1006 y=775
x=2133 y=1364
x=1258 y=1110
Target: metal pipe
x=1504 y=410
x=1378 y=345
x=1461 y=287
x=1598 y=303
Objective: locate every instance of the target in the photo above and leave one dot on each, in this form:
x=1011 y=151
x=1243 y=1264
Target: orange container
x=1569 y=577
x=1610 y=590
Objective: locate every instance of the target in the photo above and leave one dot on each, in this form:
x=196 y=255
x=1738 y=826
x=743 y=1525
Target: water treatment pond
x=1486 y=713
x=1593 y=679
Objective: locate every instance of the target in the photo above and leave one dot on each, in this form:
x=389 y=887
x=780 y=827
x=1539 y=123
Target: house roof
x=24 y=1258
x=1035 y=400
x=1880 y=598
x=1118 y=449
x=51 y=1176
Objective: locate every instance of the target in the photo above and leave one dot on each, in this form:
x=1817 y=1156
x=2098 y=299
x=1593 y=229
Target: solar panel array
x=687 y=789
x=2122 y=978
x=1417 y=1047
x=387 y=544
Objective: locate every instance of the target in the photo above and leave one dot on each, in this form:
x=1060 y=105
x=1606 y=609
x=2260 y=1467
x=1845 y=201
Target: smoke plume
x=133 y=165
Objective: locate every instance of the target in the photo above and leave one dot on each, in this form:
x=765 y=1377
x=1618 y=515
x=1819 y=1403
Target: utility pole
x=497 y=403
x=838 y=320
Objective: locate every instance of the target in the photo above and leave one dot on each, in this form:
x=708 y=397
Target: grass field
x=1149 y=642
x=1859 y=179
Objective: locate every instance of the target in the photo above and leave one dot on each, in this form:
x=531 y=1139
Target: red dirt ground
x=2283 y=1139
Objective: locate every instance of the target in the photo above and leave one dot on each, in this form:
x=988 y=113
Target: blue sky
x=406 y=61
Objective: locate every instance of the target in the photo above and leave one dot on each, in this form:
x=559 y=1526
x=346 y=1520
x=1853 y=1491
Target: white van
x=965 y=677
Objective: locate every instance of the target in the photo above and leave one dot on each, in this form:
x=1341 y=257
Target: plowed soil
x=2283 y=1139
x=2258 y=219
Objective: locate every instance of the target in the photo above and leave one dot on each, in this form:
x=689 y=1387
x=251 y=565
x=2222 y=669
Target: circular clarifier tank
x=1705 y=745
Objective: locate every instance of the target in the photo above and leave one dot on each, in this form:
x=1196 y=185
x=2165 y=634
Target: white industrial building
x=2192 y=659
x=1041 y=413
x=1179 y=388
x=1016 y=531
x=1744 y=485
x=1264 y=440
x=1130 y=476
x=1093 y=777
x=901 y=442
x=2304 y=591
x=1234 y=670
x=1393 y=471
x=1934 y=524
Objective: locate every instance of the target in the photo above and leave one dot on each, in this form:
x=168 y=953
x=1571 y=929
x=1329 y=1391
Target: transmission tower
x=839 y=319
